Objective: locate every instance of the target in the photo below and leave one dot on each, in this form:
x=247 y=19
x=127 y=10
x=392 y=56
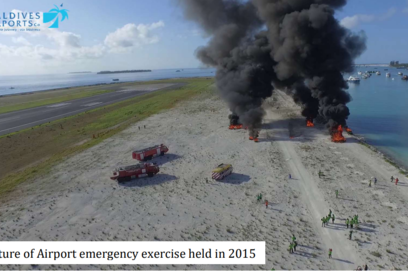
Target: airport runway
x=23 y=119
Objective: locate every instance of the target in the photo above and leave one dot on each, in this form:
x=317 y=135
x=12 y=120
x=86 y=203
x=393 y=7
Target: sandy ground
x=78 y=201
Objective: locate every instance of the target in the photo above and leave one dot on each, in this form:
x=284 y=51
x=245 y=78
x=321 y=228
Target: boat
x=359 y=73
x=354 y=79
x=388 y=74
x=115 y=80
x=378 y=73
x=405 y=77
x=399 y=73
x=178 y=71
x=11 y=87
x=385 y=69
x=364 y=76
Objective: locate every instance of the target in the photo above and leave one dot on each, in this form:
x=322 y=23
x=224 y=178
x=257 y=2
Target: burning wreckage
x=235 y=124
x=297 y=46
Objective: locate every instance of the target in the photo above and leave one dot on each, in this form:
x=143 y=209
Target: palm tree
x=53 y=14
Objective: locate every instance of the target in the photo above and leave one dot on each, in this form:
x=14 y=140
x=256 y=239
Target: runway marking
x=58 y=105
x=92 y=104
x=8 y=119
x=80 y=110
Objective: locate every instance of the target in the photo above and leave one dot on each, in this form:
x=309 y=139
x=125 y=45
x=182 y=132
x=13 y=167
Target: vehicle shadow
x=143 y=182
x=160 y=160
x=235 y=178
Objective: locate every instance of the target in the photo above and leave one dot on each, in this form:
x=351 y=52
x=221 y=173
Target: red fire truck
x=149 y=153
x=126 y=173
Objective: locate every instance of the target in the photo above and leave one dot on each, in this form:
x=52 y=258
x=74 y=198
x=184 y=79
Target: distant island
x=398 y=65
x=127 y=71
x=81 y=72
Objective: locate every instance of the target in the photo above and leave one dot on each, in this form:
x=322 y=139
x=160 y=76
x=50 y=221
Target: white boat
x=354 y=79
x=359 y=73
x=388 y=74
x=378 y=73
x=399 y=73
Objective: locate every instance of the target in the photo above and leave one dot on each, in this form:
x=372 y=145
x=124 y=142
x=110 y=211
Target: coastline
x=99 y=84
x=387 y=157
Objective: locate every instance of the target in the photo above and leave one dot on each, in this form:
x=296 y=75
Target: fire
x=233 y=127
x=337 y=135
x=309 y=123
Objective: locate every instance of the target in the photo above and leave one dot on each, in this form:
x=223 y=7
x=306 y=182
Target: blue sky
x=152 y=34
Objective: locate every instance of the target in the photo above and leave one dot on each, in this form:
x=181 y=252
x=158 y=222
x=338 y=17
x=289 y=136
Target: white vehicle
x=388 y=74
x=354 y=79
x=378 y=73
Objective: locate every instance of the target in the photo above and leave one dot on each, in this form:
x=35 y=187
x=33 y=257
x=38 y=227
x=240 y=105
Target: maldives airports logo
x=53 y=15
x=16 y=20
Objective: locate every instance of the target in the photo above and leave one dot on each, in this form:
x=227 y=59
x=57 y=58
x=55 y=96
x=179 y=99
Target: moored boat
x=354 y=79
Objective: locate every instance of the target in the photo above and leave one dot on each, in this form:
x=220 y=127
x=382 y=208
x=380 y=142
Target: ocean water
x=29 y=83
x=379 y=111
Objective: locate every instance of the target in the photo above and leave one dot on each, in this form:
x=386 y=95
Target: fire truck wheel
x=162 y=153
x=150 y=157
x=145 y=159
x=120 y=180
x=150 y=174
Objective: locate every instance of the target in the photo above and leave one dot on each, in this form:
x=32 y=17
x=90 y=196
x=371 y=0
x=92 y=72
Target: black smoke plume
x=239 y=51
x=295 y=45
x=308 y=42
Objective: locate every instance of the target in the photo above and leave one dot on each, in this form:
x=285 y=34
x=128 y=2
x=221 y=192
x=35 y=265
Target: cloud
x=20 y=40
x=40 y=52
x=64 y=39
x=353 y=21
x=131 y=36
x=388 y=14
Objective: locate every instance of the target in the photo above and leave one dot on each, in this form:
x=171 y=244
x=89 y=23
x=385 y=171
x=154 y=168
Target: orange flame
x=309 y=123
x=337 y=135
x=234 y=127
x=251 y=138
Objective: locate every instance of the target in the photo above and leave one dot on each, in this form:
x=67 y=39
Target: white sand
x=78 y=201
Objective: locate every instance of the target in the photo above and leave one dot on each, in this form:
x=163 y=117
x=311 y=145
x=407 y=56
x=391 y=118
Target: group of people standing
x=326 y=219
x=259 y=199
x=392 y=180
x=396 y=180
x=352 y=221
